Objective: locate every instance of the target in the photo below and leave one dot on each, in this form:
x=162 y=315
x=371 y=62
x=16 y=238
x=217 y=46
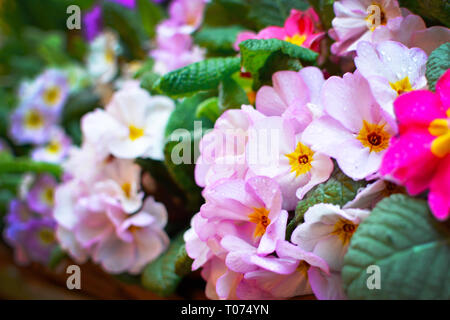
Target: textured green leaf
x=183 y=264
x=273 y=12
x=438 y=62
x=159 y=276
x=411 y=248
x=218 y=38
x=324 y=9
x=231 y=95
x=338 y=190
x=264 y=57
x=437 y=10
x=199 y=76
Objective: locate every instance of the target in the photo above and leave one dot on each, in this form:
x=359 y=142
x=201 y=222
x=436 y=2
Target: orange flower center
x=259 y=216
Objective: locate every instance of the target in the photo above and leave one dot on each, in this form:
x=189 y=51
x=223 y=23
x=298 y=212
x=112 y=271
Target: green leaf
x=338 y=190
x=411 y=248
x=264 y=57
x=180 y=164
x=437 y=10
x=127 y=24
x=159 y=276
x=273 y=12
x=22 y=165
x=199 y=76
x=324 y=9
x=183 y=264
x=150 y=15
x=438 y=62
x=209 y=109
x=231 y=95
x=218 y=38
x=57 y=255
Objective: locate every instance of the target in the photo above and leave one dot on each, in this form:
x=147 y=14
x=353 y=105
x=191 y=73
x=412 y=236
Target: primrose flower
x=354 y=129
x=102 y=58
x=255 y=207
x=419 y=158
x=31 y=236
x=31 y=124
x=49 y=91
x=175 y=51
x=222 y=151
x=356 y=20
x=299 y=29
x=276 y=149
x=292 y=95
x=132 y=125
x=40 y=196
x=412 y=32
x=56 y=149
x=391 y=69
x=188 y=14
x=91 y=223
x=123 y=176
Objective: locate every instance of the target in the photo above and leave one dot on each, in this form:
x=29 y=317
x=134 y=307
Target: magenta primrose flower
x=419 y=157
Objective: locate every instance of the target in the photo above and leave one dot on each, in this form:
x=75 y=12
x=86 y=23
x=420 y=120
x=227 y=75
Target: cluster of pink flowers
x=100 y=209
x=174 y=43
x=257 y=163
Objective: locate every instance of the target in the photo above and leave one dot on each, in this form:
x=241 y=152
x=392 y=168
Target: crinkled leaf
x=159 y=276
x=199 y=76
x=411 y=248
x=183 y=264
x=438 y=62
x=338 y=190
x=218 y=38
x=437 y=10
x=264 y=57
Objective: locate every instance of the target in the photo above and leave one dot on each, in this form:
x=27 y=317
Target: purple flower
x=19 y=214
x=40 y=197
x=39 y=240
x=92 y=23
x=31 y=124
x=57 y=148
x=51 y=90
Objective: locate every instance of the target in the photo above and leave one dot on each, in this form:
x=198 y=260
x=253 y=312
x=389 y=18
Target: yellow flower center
x=402 y=86
x=344 y=229
x=303 y=268
x=300 y=160
x=135 y=133
x=47 y=196
x=47 y=236
x=376 y=18
x=34 y=119
x=259 y=216
x=54 y=146
x=440 y=128
x=296 y=39
x=52 y=95
x=133 y=229
x=126 y=187
x=373 y=136
x=110 y=55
